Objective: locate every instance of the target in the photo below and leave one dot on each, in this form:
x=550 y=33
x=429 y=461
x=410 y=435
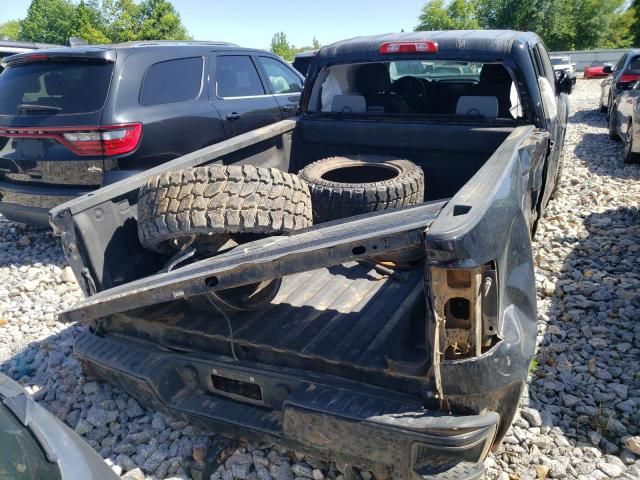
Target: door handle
x=233 y=116
x=289 y=108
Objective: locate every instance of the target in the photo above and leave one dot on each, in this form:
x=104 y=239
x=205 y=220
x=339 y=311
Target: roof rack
x=150 y=43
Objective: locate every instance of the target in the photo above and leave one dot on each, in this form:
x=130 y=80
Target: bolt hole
x=359 y=250
x=211 y=282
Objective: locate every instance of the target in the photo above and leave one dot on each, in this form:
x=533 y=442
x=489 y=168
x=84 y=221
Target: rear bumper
x=348 y=422
x=31 y=203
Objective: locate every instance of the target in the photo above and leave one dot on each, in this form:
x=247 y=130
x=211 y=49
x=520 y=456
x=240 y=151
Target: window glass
x=172 y=81
x=281 y=78
x=634 y=64
x=236 y=76
x=436 y=69
x=54 y=87
x=620 y=63
x=417 y=87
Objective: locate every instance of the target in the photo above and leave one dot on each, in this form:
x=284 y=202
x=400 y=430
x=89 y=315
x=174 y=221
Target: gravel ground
x=580 y=418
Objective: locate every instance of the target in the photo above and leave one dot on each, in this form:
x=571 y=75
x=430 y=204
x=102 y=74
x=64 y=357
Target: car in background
x=36 y=445
x=595 y=70
x=9 y=47
x=302 y=61
x=563 y=63
x=621 y=77
x=624 y=122
x=74 y=119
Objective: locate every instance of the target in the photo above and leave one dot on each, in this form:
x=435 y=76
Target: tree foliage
x=280 y=46
x=10 y=30
x=453 y=15
x=101 y=21
x=562 y=24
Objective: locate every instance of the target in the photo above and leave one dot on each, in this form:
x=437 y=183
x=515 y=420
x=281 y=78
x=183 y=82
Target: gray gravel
x=579 y=420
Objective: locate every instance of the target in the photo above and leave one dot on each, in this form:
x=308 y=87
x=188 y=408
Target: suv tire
x=629 y=155
x=205 y=204
x=613 y=134
x=347 y=186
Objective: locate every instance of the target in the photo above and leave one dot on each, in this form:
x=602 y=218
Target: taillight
x=86 y=141
x=628 y=77
x=409 y=47
x=110 y=140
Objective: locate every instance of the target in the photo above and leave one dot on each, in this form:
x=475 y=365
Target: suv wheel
x=613 y=134
x=629 y=155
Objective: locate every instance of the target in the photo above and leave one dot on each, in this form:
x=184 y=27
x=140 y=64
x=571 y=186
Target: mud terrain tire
x=347 y=186
x=208 y=203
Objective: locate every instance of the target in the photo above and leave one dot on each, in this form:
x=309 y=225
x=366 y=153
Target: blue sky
x=251 y=23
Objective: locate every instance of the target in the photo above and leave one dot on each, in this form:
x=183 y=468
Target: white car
x=563 y=63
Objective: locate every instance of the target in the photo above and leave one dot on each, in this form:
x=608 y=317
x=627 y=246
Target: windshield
x=597 y=64
x=437 y=69
x=560 y=60
x=54 y=88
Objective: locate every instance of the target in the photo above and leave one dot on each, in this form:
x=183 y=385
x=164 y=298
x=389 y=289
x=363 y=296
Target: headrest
x=54 y=83
x=486 y=107
x=348 y=104
x=494 y=73
x=372 y=78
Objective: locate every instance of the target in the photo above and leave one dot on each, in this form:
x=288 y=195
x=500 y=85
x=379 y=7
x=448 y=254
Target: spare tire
x=205 y=204
x=343 y=187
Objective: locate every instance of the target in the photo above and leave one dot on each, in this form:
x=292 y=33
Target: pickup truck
x=411 y=367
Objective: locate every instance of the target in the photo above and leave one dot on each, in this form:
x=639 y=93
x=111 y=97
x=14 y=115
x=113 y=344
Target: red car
x=594 y=70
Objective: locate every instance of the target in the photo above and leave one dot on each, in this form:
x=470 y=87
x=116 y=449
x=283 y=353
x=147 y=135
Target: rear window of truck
x=54 y=88
x=415 y=87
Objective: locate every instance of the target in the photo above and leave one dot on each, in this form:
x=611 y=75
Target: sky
x=252 y=23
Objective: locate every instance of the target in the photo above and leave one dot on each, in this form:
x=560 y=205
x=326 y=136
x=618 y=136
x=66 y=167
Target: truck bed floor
x=347 y=316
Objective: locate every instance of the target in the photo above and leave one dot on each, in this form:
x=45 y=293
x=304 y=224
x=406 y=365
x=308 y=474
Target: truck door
x=238 y=93
x=554 y=104
x=285 y=84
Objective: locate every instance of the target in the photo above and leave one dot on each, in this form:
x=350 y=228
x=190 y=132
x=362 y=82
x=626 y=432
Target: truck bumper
x=31 y=203
x=372 y=428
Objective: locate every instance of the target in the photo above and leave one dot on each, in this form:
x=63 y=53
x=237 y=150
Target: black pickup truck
x=396 y=338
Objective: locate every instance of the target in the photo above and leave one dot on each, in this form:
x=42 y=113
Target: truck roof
x=498 y=41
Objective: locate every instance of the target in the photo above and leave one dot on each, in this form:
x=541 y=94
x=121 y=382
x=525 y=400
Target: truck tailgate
x=325 y=245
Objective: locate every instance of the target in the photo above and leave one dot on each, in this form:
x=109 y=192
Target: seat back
x=348 y=104
x=481 y=106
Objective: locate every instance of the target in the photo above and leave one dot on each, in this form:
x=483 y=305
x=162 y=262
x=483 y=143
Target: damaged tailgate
x=328 y=244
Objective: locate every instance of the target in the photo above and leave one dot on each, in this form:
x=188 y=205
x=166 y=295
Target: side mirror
x=564 y=82
x=607 y=69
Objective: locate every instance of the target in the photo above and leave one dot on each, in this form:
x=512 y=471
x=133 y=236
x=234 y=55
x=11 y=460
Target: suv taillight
x=86 y=141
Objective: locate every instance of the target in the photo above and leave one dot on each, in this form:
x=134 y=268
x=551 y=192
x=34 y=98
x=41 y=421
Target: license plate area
x=237 y=386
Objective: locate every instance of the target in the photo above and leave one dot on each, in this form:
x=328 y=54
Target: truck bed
x=347 y=320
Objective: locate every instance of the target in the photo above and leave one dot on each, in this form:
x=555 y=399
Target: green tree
x=453 y=15
x=315 y=44
x=280 y=46
x=87 y=23
x=47 y=21
x=159 y=20
x=10 y=30
x=121 y=18
x=621 y=30
x=635 y=6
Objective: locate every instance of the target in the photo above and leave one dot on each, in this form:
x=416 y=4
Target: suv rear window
x=61 y=88
x=172 y=81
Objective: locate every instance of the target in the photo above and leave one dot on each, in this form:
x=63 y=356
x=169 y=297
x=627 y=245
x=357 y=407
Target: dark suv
x=73 y=119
